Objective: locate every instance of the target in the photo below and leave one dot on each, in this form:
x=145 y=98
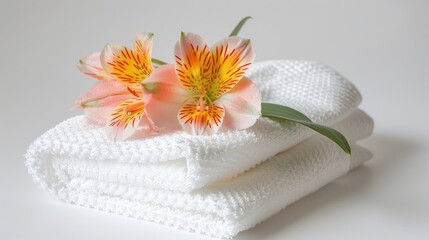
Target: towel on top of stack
x=217 y=185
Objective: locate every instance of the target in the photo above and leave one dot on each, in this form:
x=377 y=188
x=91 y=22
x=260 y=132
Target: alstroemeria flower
x=209 y=85
x=117 y=99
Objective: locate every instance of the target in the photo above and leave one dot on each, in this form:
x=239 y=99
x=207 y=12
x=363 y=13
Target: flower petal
x=193 y=61
x=126 y=66
x=91 y=66
x=231 y=59
x=164 y=96
x=100 y=115
x=242 y=105
x=143 y=43
x=125 y=119
x=164 y=85
x=101 y=90
x=99 y=102
x=201 y=120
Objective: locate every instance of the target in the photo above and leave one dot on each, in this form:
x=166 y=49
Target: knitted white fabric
x=194 y=182
x=220 y=210
x=179 y=161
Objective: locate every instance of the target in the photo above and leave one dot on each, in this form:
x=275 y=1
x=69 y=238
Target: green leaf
x=282 y=112
x=158 y=62
x=239 y=26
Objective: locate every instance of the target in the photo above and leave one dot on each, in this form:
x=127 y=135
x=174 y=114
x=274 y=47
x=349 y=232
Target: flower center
x=204 y=100
x=202 y=91
x=201 y=105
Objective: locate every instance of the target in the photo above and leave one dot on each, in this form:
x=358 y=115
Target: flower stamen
x=201 y=105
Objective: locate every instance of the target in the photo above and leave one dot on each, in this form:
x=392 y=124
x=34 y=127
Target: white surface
x=382 y=46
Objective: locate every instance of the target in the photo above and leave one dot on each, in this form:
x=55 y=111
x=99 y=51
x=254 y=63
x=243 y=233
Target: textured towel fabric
x=182 y=162
x=220 y=210
x=216 y=185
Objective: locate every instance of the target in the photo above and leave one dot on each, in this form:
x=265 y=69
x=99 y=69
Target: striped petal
x=125 y=119
x=200 y=119
x=231 y=59
x=242 y=105
x=193 y=61
x=130 y=67
x=100 y=114
x=102 y=90
x=91 y=66
x=143 y=43
x=99 y=102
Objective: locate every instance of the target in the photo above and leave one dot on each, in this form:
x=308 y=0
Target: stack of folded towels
x=217 y=185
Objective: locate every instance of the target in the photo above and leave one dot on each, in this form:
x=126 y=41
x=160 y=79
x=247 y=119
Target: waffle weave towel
x=182 y=162
x=194 y=183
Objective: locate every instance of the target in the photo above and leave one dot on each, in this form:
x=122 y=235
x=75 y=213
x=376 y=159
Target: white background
x=382 y=46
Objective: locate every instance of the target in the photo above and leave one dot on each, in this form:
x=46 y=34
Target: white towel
x=155 y=179
x=221 y=210
x=183 y=162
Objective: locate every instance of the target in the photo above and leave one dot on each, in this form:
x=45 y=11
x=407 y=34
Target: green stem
x=239 y=26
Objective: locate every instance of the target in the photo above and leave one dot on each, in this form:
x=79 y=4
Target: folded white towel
x=220 y=210
x=183 y=162
x=194 y=182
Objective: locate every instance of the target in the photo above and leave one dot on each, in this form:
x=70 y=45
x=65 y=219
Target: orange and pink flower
x=206 y=89
x=203 y=92
x=116 y=100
